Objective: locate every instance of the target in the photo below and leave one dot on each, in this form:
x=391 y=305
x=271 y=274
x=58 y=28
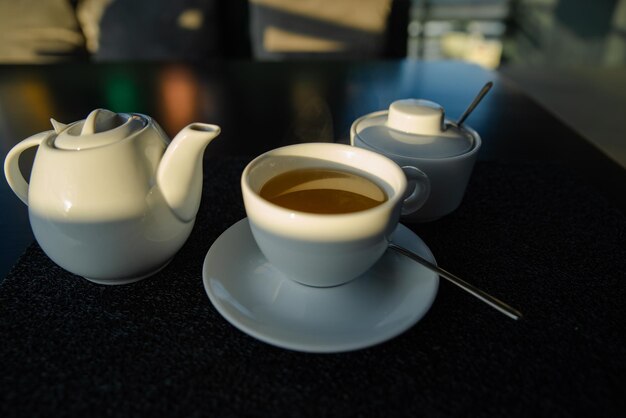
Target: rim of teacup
x=306 y=225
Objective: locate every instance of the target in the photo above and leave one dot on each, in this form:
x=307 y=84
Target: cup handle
x=12 y=172
x=418 y=189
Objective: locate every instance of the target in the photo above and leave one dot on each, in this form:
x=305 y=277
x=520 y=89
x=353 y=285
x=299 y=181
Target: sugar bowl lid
x=414 y=128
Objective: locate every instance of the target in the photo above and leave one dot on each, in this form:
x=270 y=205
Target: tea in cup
x=323 y=213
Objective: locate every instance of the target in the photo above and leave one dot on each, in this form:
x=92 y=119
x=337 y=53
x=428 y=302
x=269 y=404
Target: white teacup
x=327 y=249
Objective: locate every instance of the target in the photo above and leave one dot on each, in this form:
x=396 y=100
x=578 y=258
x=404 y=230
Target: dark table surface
x=542 y=226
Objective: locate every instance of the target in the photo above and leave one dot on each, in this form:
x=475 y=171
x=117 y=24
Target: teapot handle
x=12 y=172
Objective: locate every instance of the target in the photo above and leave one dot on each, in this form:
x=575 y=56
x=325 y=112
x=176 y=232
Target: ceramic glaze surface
x=324 y=249
x=257 y=298
x=415 y=133
x=110 y=198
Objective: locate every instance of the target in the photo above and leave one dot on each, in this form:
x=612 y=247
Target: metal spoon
x=471 y=289
x=474 y=103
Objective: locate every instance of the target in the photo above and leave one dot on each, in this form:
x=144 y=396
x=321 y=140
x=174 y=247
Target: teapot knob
x=100 y=120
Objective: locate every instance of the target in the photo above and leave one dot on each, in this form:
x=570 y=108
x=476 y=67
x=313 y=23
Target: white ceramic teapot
x=108 y=198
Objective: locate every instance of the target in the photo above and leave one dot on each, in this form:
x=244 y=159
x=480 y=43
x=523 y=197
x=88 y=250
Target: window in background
x=569 y=33
x=528 y=32
x=469 y=30
x=38 y=31
x=288 y=29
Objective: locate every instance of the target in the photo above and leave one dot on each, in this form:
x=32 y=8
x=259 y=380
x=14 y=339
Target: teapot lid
x=414 y=128
x=102 y=127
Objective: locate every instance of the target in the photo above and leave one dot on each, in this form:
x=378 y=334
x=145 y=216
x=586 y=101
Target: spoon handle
x=471 y=289
x=474 y=103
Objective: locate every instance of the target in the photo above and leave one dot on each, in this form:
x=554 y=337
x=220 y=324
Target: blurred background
x=491 y=33
x=569 y=55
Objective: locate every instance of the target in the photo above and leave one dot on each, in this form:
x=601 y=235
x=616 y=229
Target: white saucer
x=259 y=300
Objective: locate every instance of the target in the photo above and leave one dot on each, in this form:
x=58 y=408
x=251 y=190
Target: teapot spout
x=179 y=175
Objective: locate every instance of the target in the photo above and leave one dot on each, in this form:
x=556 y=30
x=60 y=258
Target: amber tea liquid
x=323 y=191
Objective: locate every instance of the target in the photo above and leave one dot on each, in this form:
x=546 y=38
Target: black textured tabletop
x=534 y=234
